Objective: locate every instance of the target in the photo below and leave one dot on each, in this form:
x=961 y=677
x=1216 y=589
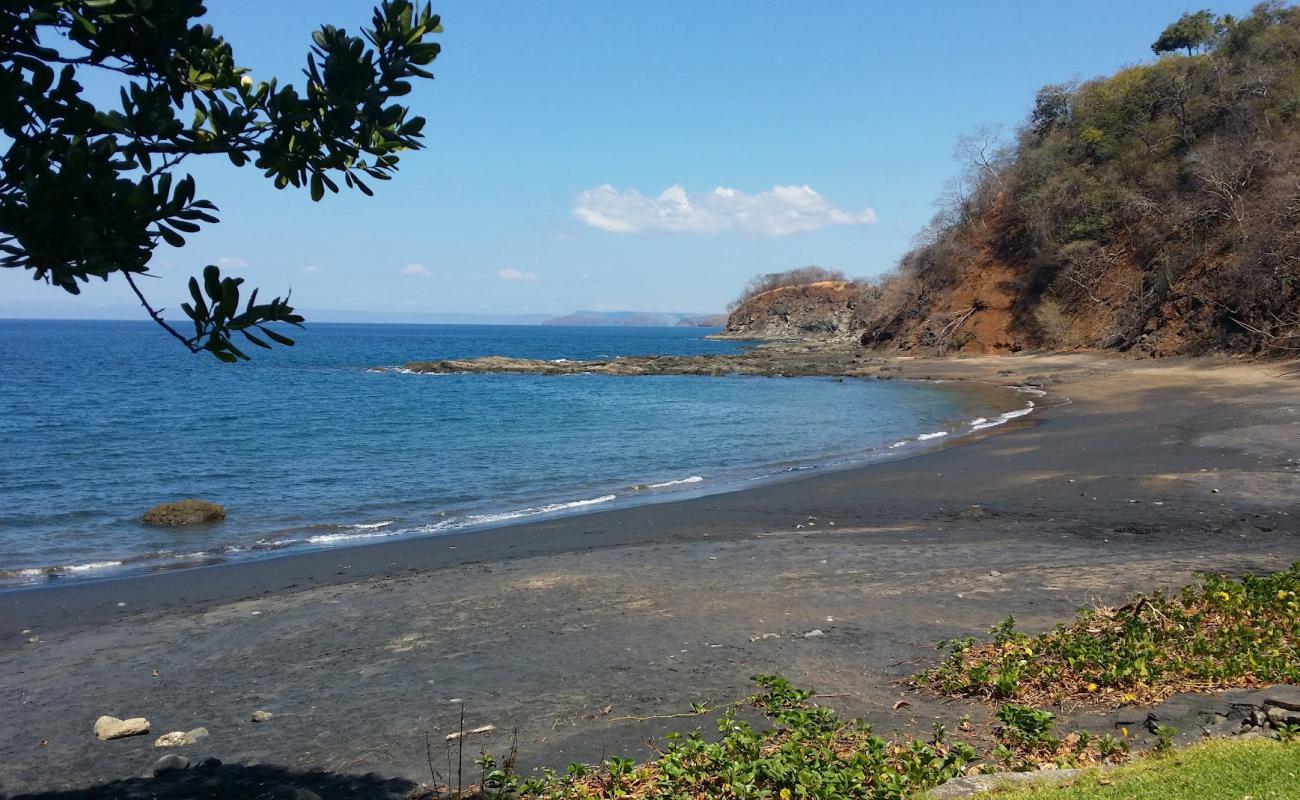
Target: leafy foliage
x=1027 y=742
x=1221 y=633
x=800 y=276
x=1188 y=32
x=809 y=752
x=90 y=191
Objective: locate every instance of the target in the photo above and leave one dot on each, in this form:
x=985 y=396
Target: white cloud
x=232 y=262
x=310 y=269
x=779 y=211
x=418 y=270
x=512 y=274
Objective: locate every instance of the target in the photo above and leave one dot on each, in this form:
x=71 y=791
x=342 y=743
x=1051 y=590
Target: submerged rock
x=184 y=512
x=107 y=727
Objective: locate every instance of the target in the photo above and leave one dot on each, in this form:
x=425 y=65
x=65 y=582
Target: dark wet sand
x=360 y=652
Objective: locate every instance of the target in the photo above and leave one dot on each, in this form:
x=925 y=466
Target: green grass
x=1220 y=770
x=1218 y=634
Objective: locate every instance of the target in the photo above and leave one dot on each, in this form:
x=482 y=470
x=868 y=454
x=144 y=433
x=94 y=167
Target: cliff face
x=825 y=309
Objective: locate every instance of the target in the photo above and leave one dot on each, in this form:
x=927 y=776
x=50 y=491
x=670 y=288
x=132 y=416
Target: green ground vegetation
x=1219 y=633
x=805 y=751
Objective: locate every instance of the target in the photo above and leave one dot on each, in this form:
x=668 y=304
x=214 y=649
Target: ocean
x=327 y=444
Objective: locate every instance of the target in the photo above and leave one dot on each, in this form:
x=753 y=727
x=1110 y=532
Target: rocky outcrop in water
x=781 y=359
x=184 y=512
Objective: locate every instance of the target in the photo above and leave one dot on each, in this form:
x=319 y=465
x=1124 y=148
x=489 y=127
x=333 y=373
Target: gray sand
x=567 y=630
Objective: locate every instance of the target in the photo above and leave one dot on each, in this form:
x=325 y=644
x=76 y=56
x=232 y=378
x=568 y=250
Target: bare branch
x=157 y=315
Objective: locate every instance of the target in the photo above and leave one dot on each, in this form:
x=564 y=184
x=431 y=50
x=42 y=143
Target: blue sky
x=556 y=127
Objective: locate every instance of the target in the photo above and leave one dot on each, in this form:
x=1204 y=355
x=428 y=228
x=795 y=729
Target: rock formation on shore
x=822 y=309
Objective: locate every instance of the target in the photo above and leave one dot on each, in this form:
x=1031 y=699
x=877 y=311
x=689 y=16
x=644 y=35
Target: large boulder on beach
x=107 y=727
x=184 y=512
x=181 y=738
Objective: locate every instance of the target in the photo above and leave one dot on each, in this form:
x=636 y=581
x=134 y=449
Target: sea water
x=327 y=444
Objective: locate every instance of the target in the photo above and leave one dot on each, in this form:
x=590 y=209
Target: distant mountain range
x=127 y=311
x=639 y=319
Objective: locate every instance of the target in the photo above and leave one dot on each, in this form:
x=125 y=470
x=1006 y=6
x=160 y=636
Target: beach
x=586 y=634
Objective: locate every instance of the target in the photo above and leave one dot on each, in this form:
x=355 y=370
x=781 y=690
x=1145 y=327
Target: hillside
x=823 y=309
x=1156 y=210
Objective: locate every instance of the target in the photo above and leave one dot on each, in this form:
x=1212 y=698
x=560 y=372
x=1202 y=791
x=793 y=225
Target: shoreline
x=1154 y=471
x=919 y=446
x=340 y=536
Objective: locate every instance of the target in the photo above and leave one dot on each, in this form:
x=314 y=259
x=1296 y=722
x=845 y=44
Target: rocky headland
x=820 y=309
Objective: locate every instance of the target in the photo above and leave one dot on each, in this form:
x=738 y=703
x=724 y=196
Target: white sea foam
x=405 y=371
x=93 y=565
x=330 y=538
x=550 y=508
x=368 y=526
x=506 y=516
x=983 y=424
x=271 y=544
x=679 y=482
x=897 y=445
x=923 y=437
